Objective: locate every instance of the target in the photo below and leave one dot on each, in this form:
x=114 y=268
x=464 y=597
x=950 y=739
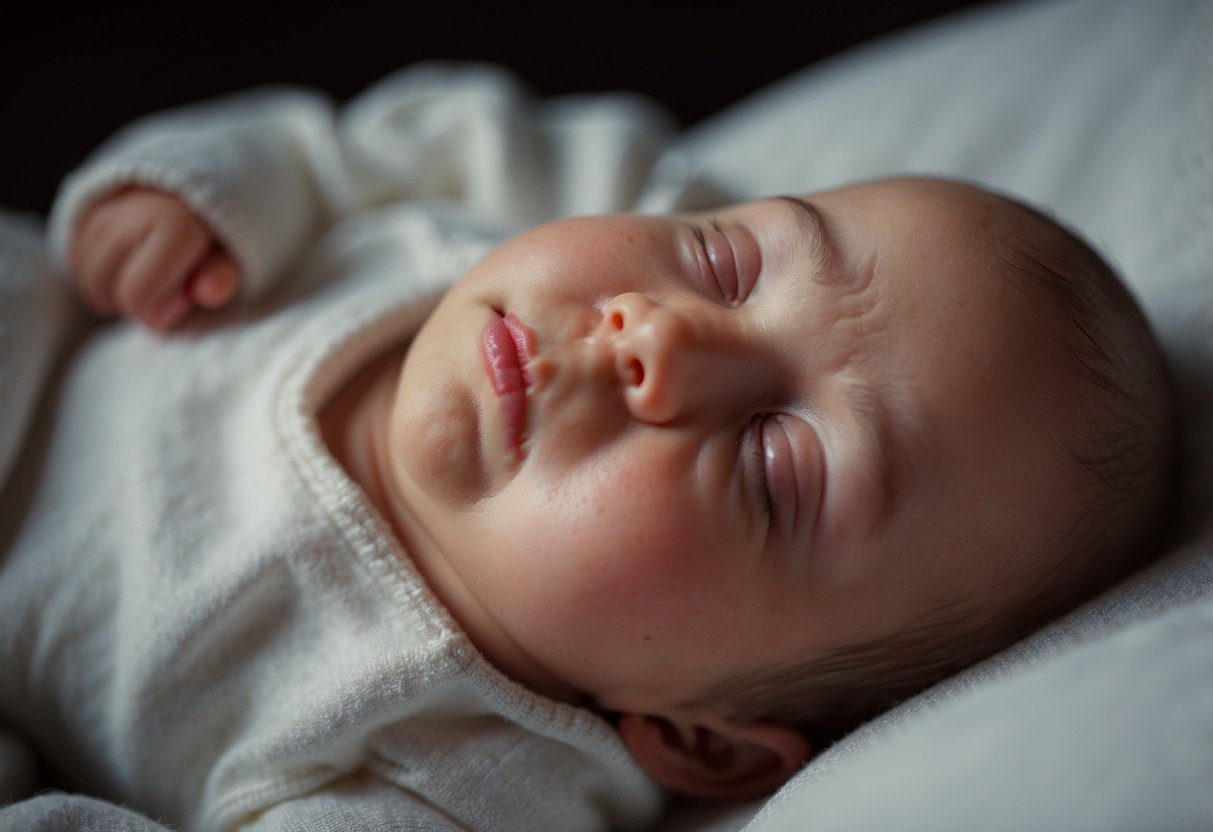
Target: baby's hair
x=1120 y=434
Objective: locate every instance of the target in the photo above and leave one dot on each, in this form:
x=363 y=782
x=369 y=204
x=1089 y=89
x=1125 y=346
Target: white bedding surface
x=1101 y=112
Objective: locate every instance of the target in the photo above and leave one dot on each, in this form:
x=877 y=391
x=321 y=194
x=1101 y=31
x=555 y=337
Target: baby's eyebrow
x=817 y=232
x=880 y=433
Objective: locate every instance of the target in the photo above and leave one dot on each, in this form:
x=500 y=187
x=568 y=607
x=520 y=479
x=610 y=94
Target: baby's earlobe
x=717 y=753
x=723 y=760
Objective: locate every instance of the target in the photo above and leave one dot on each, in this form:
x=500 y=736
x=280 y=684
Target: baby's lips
x=524 y=344
x=503 y=365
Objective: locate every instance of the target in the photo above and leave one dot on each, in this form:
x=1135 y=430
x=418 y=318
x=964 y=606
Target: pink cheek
x=621 y=539
x=650 y=581
x=618 y=555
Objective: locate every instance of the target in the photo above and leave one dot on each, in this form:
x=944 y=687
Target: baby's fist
x=144 y=254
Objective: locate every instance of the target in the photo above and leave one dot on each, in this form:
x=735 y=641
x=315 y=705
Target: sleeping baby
x=320 y=540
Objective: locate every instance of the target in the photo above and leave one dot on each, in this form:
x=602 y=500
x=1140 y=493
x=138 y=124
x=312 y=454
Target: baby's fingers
x=215 y=280
x=211 y=285
x=96 y=256
x=151 y=283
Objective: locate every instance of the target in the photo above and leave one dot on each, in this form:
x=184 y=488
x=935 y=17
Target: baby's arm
x=267 y=170
x=246 y=167
x=143 y=254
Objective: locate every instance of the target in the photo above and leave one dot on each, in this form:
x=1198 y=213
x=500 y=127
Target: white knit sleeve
x=268 y=168
x=254 y=166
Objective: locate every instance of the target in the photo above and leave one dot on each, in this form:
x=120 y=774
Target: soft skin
x=749 y=436
x=871 y=376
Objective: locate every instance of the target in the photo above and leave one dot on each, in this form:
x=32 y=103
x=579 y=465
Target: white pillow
x=1101 y=112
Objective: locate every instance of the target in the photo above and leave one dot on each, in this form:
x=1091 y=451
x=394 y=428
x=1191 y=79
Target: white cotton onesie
x=203 y=618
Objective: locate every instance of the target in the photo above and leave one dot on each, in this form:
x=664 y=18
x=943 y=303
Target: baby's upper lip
x=524 y=343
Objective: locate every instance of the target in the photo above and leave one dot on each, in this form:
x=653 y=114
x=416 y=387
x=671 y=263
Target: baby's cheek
x=650 y=582
x=620 y=556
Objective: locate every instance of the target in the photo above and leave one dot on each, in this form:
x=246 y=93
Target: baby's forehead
x=930 y=200
x=923 y=225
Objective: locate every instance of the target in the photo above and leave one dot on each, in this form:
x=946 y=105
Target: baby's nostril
x=616 y=321
x=636 y=371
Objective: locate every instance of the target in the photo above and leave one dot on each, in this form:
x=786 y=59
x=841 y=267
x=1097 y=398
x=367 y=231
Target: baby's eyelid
x=722 y=263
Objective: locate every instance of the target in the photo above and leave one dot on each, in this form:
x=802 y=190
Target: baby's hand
x=144 y=254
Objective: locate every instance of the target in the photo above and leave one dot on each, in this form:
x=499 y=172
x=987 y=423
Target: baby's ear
x=723 y=760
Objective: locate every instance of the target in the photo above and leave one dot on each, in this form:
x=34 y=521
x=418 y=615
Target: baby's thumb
x=214 y=281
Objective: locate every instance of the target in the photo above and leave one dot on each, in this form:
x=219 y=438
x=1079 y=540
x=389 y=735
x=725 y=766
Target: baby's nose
x=663 y=357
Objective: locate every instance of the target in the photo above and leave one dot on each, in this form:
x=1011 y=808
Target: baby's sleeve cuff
x=250 y=181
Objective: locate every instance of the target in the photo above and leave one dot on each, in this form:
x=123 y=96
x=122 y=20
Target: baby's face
x=730 y=439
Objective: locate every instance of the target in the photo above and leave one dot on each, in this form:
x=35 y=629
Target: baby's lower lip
x=504 y=346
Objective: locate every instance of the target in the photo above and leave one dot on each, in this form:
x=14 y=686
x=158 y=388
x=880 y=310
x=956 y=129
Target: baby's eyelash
x=758 y=474
x=722 y=267
x=698 y=232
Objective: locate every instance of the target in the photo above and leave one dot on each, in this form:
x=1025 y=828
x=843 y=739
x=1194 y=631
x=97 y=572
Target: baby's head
x=745 y=477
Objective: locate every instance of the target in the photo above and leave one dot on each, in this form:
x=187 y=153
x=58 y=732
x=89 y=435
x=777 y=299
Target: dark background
x=74 y=72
